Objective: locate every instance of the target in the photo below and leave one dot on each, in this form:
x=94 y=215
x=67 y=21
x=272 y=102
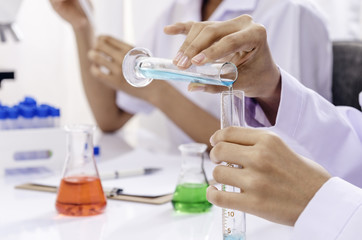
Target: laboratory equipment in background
x=190 y=193
x=29 y=114
x=80 y=191
x=6 y=74
x=232 y=114
x=8 y=11
x=31 y=141
x=140 y=68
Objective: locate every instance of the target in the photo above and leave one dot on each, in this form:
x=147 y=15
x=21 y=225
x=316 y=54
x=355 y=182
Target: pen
x=113 y=192
x=128 y=173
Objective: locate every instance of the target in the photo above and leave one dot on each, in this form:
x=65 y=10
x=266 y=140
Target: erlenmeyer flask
x=190 y=193
x=80 y=192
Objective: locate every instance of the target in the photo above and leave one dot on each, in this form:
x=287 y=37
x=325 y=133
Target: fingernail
x=178 y=56
x=198 y=58
x=196 y=87
x=183 y=61
x=212 y=142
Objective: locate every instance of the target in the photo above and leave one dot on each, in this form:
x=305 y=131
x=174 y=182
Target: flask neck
x=80 y=159
x=192 y=170
x=80 y=145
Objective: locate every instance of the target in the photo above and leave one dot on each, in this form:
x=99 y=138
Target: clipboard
x=162 y=199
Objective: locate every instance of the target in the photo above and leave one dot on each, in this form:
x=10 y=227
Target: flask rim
x=193 y=147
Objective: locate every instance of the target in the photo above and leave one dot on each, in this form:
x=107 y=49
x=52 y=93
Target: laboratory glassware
x=140 y=68
x=80 y=192
x=232 y=114
x=190 y=193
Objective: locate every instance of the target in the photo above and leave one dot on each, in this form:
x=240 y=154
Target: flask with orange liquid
x=80 y=192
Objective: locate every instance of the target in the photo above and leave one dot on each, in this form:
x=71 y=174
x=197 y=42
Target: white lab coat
x=297 y=36
x=344 y=18
x=332 y=136
x=334 y=213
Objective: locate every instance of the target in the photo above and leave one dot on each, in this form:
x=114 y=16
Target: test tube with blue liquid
x=140 y=68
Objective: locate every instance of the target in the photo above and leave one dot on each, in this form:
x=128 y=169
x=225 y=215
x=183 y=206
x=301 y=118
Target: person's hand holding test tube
x=268 y=176
x=240 y=41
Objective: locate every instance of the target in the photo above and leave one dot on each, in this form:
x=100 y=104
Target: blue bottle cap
x=27 y=111
x=29 y=101
x=54 y=112
x=43 y=111
x=13 y=112
x=3 y=113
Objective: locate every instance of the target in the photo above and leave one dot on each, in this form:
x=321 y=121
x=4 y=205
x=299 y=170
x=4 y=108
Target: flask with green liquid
x=190 y=193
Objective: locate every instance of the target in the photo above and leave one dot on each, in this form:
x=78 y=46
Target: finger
x=238 y=135
x=108 y=49
x=248 y=38
x=120 y=45
x=178 y=28
x=231 y=153
x=107 y=79
x=229 y=200
x=229 y=176
x=208 y=36
x=182 y=60
x=101 y=60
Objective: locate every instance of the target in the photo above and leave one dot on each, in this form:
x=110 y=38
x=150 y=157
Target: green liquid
x=191 y=198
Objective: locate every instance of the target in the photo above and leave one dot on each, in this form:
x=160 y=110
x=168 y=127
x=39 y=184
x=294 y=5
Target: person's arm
x=194 y=121
x=282 y=186
x=101 y=98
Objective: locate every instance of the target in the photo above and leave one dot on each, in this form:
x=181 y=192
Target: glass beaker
x=232 y=114
x=190 y=193
x=140 y=68
x=80 y=192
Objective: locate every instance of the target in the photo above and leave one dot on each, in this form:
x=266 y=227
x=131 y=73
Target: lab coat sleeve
x=330 y=135
x=334 y=213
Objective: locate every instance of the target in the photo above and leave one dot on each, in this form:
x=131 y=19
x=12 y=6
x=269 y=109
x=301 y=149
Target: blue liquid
x=185 y=77
x=234 y=237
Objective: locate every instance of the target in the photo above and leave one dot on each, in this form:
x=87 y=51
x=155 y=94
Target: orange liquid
x=80 y=196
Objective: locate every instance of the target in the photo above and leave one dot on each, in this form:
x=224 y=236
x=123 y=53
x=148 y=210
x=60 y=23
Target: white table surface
x=32 y=215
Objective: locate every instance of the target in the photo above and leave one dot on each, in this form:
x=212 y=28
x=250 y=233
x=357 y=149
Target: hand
x=107 y=57
x=276 y=183
x=71 y=11
x=238 y=40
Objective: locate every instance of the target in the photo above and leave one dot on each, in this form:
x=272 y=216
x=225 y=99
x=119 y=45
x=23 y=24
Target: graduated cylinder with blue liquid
x=140 y=68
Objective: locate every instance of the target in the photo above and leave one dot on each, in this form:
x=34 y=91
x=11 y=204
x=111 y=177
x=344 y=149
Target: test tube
x=232 y=114
x=140 y=68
